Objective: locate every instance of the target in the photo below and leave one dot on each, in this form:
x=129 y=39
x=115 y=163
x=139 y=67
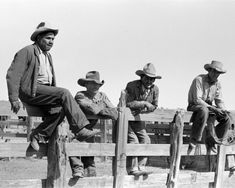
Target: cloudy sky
x=118 y=37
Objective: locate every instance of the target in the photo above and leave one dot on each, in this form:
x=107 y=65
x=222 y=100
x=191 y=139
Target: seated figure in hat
x=205 y=100
x=93 y=102
x=142 y=96
x=31 y=79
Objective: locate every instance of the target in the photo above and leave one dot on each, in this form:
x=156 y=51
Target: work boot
x=35 y=139
x=34 y=142
x=85 y=133
x=78 y=174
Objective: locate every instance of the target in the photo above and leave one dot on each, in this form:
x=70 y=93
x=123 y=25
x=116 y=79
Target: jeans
x=48 y=97
x=199 y=118
x=137 y=135
x=79 y=163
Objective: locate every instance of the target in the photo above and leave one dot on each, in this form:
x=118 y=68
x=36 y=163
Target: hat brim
x=37 y=32
x=208 y=67
x=83 y=81
x=140 y=73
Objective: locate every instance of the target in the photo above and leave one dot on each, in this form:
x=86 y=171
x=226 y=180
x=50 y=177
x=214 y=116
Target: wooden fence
x=58 y=150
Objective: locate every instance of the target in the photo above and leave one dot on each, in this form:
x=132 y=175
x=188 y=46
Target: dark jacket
x=135 y=95
x=23 y=72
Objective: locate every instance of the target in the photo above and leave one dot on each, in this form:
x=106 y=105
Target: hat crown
x=93 y=75
x=44 y=24
x=216 y=65
x=149 y=69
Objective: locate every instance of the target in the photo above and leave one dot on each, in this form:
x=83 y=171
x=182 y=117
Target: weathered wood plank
x=57 y=158
x=159 y=115
x=90 y=149
x=218 y=181
x=121 y=149
x=97 y=149
x=175 y=147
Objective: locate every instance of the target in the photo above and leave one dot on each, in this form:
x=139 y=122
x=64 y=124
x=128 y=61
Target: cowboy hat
x=148 y=70
x=216 y=65
x=92 y=76
x=41 y=28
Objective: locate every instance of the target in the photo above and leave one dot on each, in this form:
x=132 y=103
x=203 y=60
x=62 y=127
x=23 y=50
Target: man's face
x=213 y=75
x=92 y=87
x=147 y=81
x=45 y=41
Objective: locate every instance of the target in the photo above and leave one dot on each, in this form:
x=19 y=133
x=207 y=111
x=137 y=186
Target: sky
x=118 y=37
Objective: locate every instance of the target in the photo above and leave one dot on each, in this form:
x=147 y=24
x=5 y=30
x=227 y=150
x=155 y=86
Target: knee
x=65 y=93
x=146 y=140
x=203 y=111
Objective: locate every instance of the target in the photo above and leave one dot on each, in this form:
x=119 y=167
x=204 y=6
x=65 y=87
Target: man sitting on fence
x=206 y=89
x=142 y=97
x=31 y=79
x=92 y=102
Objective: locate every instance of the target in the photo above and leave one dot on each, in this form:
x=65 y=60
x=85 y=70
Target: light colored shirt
x=44 y=73
x=205 y=93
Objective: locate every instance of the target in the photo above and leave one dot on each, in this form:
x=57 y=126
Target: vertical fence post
x=176 y=143
x=103 y=128
x=219 y=173
x=57 y=158
x=119 y=164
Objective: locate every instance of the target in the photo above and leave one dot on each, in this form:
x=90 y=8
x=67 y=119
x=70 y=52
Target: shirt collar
x=40 y=51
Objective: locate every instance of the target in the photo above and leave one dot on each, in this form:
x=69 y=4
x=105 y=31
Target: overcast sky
x=118 y=37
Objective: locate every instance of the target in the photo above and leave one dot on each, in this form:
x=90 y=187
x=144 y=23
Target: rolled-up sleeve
x=219 y=102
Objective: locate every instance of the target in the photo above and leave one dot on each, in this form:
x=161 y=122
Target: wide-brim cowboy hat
x=92 y=76
x=216 y=65
x=148 y=70
x=41 y=28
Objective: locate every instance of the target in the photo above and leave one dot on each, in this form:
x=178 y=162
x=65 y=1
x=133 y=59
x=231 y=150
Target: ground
x=32 y=168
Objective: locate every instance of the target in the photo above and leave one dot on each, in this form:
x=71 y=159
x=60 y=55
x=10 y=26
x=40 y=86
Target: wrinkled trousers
x=48 y=97
x=200 y=117
x=137 y=135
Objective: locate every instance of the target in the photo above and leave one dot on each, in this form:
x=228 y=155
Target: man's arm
x=196 y=90
x=86 y=104
x=13 y=77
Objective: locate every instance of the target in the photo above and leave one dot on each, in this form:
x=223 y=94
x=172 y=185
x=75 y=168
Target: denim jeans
x=79 y=163
x=48 y=97
x=137 y=135
x=199 y=118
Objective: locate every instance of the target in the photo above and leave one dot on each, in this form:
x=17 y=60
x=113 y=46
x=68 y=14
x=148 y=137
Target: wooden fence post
x=30 y=126
x=103 y=128
x=219 y=173
x=119 y=164
x=57 y=158
x=176 y=143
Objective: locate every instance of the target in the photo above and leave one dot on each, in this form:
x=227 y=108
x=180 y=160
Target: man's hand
x=149 y=106
x=217 y=110
x=15 y=106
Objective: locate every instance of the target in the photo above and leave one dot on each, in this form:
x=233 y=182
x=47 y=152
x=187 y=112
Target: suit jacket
x=23 y=72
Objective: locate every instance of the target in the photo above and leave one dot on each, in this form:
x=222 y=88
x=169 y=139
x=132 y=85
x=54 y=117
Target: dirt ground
x=33 y=168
